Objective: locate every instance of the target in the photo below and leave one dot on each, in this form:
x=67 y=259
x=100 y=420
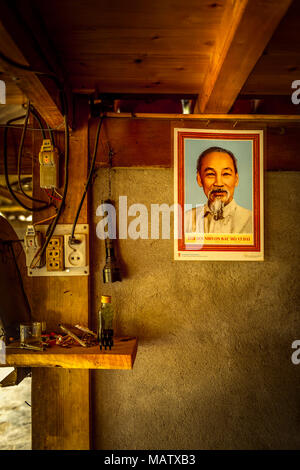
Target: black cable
x=72 y=239
x=37 y=117
x=34 y=128
x=27 y=68
x=30 y=209
x=20 y=153
x=64 y=109
x=51 y=135
x=52 y=76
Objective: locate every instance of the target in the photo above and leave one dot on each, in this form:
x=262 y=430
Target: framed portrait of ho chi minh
x=218 y=187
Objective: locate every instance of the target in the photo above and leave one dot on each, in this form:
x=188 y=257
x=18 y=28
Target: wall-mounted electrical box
x=64 y=256
x=33 y=241
x=49 y=171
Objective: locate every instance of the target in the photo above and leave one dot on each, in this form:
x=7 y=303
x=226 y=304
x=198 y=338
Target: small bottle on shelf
x=105 y=323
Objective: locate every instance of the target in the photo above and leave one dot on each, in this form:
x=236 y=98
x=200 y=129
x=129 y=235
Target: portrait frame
x=200 y=244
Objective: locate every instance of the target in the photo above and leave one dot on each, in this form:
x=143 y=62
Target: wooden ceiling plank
x=18 y=46
x=279 y=64
x=248 y=29
x=139 y=41
x=96 y=15
x=142 y=46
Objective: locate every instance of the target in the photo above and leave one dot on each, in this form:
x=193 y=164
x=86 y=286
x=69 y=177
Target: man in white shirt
x=217 y=174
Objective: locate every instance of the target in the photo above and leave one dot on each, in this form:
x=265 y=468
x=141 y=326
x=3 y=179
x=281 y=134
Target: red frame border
x=182 y=135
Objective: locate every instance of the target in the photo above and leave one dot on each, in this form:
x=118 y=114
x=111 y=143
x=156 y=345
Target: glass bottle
x=105 y=323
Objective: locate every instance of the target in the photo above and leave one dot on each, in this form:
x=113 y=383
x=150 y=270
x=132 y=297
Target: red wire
x=51 y=196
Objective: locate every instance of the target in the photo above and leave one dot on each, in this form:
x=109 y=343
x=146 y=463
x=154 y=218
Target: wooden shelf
x=121 y=356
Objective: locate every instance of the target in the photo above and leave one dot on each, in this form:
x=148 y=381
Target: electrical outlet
x=68 y=263
x=75 y=253
x=55 y=254
x=33 y=242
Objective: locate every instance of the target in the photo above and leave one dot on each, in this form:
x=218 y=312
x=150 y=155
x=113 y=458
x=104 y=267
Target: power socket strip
x=79 y=267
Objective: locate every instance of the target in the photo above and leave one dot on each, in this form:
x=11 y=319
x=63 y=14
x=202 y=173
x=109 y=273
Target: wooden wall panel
x=148 y=142
x=134 y=142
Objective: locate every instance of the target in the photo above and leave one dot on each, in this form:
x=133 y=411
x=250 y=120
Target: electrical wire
x=34 y=128
x=20 y=153
x=44 y=220
x=27 y=68
x=51 y=135
x=37 y=117
x=73 y=238
x=53 y=224
x=51 y=196
x=15 y=197
x=55 y=190
x=64 y=109
x=52 y=76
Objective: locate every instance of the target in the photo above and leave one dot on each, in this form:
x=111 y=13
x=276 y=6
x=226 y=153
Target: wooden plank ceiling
x=136 y=46
x=155 y=47
x=279 y=64
x=170 y=46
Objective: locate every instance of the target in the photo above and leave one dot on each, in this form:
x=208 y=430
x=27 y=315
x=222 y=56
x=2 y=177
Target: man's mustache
x=217 y=190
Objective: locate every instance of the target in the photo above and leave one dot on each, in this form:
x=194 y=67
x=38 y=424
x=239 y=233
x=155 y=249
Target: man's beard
x=216 y=206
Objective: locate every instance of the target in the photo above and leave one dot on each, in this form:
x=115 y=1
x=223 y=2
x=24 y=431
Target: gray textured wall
x=213 y=369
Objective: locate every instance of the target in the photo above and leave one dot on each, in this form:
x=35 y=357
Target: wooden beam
x=232 y=16
x=284 y=118
x=14 y=96
x=147 y=142
x=246 y=28
x=61 y=397
x=19 y=44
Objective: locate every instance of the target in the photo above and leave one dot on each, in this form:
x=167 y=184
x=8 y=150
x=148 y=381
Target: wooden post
x=61 y=397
